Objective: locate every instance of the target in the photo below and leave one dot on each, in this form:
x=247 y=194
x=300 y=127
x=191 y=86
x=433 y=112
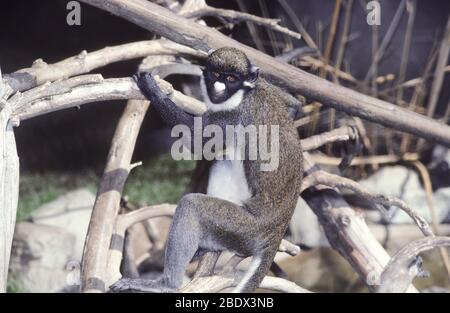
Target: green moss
x=14 y=286
x=158 y=180
x=35 y=189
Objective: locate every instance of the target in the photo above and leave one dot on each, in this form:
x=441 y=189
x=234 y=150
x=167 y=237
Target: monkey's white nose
x=219 y=87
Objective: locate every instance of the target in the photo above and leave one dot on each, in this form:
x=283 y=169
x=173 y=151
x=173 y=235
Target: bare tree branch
x=106 y=205
x=334 y=181
x=85 y=62
x=199 y=8
x=346 y=230
x=9 y=182
x=107 y=89
x=339 y=134
x=405 y=264
x=48 y=89
x=170 y=25
x=218 y=283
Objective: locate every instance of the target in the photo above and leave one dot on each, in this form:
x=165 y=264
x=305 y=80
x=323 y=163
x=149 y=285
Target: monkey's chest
x=227 y=180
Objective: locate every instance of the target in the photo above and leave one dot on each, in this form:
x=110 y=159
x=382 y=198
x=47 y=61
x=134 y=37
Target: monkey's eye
x=215 y=74
x=231 y=78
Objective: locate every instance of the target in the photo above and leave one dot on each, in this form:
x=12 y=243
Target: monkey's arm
x=173 y=115
x=169 y=111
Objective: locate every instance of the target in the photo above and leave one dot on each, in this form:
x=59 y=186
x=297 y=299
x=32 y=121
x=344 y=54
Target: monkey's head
x=227 y=71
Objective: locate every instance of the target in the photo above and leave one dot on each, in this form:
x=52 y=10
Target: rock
x=404 y=183
x=47 y=253
x=305 y=227
x=72 y=212
x=41 y=258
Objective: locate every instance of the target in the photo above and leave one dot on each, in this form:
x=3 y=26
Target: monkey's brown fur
x=203 y=222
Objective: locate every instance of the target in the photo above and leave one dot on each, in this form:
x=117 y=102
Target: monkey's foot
x=140 y=285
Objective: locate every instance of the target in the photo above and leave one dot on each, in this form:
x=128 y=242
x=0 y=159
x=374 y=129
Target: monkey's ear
x=254 y=74
x=210 y=51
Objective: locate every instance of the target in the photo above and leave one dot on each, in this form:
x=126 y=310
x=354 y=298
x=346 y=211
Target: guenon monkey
x=246 y=210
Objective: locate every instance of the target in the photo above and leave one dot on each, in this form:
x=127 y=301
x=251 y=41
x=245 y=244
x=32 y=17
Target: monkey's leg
x=226 y=225
x=182 y=243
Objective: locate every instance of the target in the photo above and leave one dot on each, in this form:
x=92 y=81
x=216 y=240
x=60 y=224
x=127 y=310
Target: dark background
x=75 y=139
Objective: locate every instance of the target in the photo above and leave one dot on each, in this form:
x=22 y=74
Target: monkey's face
x=227 y=71
x=222 y=85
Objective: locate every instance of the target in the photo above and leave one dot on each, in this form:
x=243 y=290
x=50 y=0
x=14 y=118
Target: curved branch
x=107 y=89
x=343 y=133
x=346 y=230
x=405 y=265
x=85 y=62
x=324 y=178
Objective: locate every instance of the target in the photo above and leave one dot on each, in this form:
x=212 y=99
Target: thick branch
x=42 y=72
x=218 y=283
x=170 y=25
x=9 y=183
x=106 y=205
x=107 y=89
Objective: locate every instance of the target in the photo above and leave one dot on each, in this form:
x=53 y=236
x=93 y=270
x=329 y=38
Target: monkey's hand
x=140 y=285
x=169 y=111
x=149 y=87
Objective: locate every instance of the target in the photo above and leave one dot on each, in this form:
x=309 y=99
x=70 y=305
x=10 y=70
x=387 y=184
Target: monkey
x=246 y=210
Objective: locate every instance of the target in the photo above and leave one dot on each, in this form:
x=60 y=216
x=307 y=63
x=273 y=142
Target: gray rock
x=305 y=227
x=47 y=253
x=72 y=212
x=41 y=258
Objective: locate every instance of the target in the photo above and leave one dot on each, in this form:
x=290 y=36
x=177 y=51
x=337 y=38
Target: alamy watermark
x=74 y=15
x=374 y=13
x=242 y=142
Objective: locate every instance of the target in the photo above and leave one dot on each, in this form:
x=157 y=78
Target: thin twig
x=386 y=39
x=411 y=6
x=298 y=24
x=418 y=95
x=366 y=160
x=201 y=9
x=434 y=219
x=439 y=72
x=251 y=28
x=343 y=133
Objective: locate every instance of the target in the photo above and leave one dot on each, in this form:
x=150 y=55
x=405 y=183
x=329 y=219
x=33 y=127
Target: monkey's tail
x=258 y=269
